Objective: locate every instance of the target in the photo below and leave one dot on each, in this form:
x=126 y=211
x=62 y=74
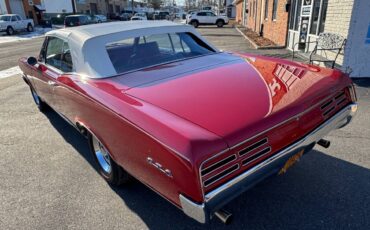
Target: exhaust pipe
x=225 y=216
x=324 y=143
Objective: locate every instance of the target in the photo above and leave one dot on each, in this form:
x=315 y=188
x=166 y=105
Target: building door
x=306 y=22
x=16 y=7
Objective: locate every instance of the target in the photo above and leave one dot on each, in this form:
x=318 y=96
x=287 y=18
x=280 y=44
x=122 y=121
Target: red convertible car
x=199 y=126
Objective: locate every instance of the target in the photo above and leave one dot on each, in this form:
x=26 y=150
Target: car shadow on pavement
x=320 y=192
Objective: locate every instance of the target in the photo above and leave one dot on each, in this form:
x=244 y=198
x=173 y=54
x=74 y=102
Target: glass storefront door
x=306 y=22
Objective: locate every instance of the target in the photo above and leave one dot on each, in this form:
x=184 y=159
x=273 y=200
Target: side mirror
x=32 y=61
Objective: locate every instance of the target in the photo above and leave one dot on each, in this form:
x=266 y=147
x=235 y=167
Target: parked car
x=129 y=12
x=207 y=18
x=161 y=15
x=11 y=23
x=77 y=20
x=125 y=17
x=98 y=18
x=139 y=16
x=156 y=101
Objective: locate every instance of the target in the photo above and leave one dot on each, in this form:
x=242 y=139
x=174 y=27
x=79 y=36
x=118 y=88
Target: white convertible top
x=88 y=43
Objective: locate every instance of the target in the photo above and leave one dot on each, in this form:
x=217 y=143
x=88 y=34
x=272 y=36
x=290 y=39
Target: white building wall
x=60 y=6
x=3 y=9
x=338 y=19
x=357 y=56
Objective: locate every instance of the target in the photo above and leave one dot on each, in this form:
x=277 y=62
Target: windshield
x=5 y=18
x=146 y=51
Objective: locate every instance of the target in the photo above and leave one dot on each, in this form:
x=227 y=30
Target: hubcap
x=102 y=155
x=35 y=97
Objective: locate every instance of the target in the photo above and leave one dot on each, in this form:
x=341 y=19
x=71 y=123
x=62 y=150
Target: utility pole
x=132 y=7
x=74 y=6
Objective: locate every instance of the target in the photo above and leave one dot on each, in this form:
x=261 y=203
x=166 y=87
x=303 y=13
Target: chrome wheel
x=102 y=155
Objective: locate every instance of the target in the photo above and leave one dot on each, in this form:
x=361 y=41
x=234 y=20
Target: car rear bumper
x=217 y=198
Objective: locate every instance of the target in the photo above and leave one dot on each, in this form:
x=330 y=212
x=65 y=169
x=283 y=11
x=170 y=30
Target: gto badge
x=158 y=166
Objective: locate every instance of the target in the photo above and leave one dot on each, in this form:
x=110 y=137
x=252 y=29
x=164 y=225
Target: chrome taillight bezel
x=352 y=92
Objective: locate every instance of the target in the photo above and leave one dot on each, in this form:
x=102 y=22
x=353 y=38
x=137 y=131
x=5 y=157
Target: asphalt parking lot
x=48 y=179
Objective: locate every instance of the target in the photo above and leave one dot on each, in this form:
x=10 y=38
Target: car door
x=61 y=93
x=49 y=69
x=202 y=17
x=21 y=23
x=15 y=23
x=211 y=18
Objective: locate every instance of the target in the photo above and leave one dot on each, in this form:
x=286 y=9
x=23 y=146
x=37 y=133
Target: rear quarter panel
x=129 y=145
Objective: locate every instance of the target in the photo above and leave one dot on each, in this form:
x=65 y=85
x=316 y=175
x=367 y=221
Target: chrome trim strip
x=237 y=168
x=244 y=164
x=327 y=104
x=234 y=156
x=201 y=165
x=328 y=111
x=267 y=141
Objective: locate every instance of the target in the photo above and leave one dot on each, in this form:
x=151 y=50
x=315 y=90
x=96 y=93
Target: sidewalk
x=229 y=39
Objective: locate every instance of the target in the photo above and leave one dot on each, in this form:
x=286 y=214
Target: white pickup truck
x=10 y=23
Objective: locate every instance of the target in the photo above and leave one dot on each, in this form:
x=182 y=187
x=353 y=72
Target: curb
x=255 y=45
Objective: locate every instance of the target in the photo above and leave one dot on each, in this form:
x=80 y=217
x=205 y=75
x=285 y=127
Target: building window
x=324 y=8
x=274 y=9
x=318 y=16
x=266 y=9
x=295 y=14
x=315 y=16
x=291 y=14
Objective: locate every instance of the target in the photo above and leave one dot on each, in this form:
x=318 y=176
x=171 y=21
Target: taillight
x=352 y=92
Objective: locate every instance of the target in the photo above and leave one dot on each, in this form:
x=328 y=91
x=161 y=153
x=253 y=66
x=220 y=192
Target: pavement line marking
x=10 y=72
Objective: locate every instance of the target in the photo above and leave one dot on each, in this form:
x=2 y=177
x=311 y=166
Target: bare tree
x=156 y=4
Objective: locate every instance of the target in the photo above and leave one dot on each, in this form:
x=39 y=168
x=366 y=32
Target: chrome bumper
x=217 y=198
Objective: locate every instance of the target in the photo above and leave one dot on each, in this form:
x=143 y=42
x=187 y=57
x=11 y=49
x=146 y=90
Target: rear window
x=141 y=52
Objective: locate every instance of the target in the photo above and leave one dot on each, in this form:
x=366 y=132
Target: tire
x=29 y=28
x=107 y=168
x=195 y=24
x=42 y=106
x=10 y=30
x=220 y=23
x=99 y=21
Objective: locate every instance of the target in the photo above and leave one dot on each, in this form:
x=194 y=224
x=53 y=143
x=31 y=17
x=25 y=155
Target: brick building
x=269 y=18
x=240 y=13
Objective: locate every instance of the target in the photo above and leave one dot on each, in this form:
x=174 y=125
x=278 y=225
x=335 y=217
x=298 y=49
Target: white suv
x=206 y=18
